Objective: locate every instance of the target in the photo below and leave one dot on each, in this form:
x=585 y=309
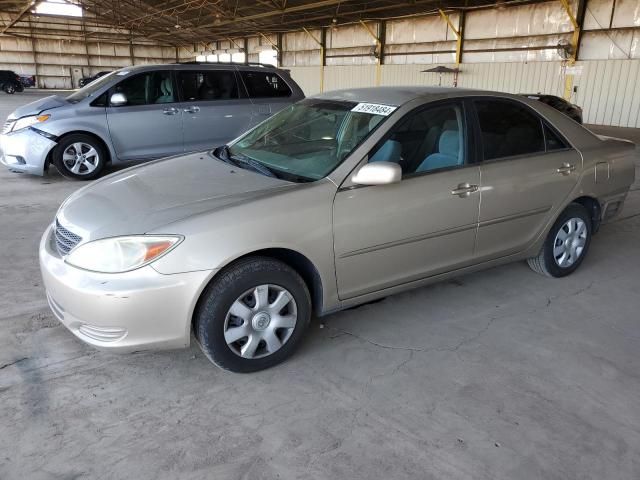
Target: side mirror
x=118 y=100
x=378 y=173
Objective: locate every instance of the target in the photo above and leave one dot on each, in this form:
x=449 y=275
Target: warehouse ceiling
x=197 y=21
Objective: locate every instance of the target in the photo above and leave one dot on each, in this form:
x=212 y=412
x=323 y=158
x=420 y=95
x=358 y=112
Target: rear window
x=508 y=129
x=553 y=140
x=265 y=84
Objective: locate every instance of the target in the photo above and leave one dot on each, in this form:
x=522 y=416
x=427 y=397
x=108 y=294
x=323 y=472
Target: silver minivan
x=142 y=113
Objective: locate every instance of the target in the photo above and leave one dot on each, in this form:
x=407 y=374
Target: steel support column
x=576 y=21
x=378 y=51
x=321 y=43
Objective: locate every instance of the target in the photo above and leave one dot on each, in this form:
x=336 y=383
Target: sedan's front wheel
x=566 y=245
x=253 y=315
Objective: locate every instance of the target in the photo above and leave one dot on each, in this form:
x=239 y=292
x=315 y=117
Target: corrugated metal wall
x=55 y=62
x=512 y=49
x=607 y=90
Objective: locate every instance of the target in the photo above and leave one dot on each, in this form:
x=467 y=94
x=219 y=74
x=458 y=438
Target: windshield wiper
x=242 y=161
x=257 y=166
x=222 y=153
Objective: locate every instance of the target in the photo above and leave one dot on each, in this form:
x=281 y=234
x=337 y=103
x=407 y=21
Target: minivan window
x=265 y=84
x=208 y=85
x=308 y=139
x=508 y=129
x=90 y=89
x=147 y=88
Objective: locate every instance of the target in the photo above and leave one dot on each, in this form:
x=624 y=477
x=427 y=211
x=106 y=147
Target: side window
x=552 y=140
x=426 y=140
x=208 y=85
x=508 y=129
x=265 y=84
x=147 y=88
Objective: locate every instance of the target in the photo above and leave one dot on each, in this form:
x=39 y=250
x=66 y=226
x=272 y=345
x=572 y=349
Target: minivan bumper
x=124 y=312
x=25 y=151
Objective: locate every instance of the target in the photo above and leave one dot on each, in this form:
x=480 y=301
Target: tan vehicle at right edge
x=335 y=201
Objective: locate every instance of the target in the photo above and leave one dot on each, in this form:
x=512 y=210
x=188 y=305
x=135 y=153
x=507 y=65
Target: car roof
x=400 y=95
x=203 y=65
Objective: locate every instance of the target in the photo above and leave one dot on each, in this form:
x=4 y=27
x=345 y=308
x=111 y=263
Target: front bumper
x=25 y=151
x=137 y=310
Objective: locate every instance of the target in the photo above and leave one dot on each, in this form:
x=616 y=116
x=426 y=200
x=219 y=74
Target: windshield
x=90 y=89
x=309 y=139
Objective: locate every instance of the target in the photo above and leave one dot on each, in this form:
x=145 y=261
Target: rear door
x=150 y=124
x=528 y=169
x=268 y=91
x=215 y=109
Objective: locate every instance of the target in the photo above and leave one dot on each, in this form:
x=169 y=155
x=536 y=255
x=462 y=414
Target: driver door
x=388 y=235
x=150 y=124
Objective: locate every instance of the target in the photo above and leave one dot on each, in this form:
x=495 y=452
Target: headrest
x=449 y=143
x=388 y=152
x=166 y=87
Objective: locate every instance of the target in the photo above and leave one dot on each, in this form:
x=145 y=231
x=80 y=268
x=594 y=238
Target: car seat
x=448 y=152
x=389 y=152
x=207 y=90
x=166 y=87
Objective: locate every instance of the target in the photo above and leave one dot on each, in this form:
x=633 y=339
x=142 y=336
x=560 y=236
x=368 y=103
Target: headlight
x=25 y=122
x=121 y=254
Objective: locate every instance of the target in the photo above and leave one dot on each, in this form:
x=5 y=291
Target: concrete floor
x=503 y=374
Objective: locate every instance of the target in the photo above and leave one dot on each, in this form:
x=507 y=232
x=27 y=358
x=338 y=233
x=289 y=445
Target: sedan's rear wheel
x=566 y=245
x=253 y=315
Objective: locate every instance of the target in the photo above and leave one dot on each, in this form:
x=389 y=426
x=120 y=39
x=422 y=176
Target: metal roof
x=180 y=22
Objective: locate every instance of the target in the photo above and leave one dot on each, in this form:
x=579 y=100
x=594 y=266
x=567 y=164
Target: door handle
x=566 y=169
x=192 y=109
x=170 y=111
x=464 y=190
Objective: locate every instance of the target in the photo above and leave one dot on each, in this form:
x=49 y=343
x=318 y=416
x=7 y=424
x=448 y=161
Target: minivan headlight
x=25 y=122
x=121 y=254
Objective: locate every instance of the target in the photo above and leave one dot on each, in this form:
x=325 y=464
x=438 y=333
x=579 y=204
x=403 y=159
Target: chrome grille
x=65 y=240
x=7 y=126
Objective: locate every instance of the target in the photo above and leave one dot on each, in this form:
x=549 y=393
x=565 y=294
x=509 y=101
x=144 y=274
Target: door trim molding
x=405 y=241
x=515 y=216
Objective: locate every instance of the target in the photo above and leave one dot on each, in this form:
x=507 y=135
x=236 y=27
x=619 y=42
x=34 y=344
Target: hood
x=148 y=197
x=34 y=108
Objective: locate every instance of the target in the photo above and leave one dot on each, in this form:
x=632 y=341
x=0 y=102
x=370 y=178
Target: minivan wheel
x=566 y=245
x=79 y=156
x=10 y=88
x=253 y=315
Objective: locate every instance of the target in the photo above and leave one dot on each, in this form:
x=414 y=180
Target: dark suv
x=87 y=80
x=569 y=109
x=10 y=82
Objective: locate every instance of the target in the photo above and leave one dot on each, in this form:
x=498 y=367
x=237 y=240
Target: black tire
x=76 y=138
x=9 y=88
x=545 y=262
x=222 y=292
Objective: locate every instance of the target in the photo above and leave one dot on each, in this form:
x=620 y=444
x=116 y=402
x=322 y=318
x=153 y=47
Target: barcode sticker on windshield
x=374 y=109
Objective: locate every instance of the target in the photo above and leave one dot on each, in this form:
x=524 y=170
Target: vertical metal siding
x=608 y=90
